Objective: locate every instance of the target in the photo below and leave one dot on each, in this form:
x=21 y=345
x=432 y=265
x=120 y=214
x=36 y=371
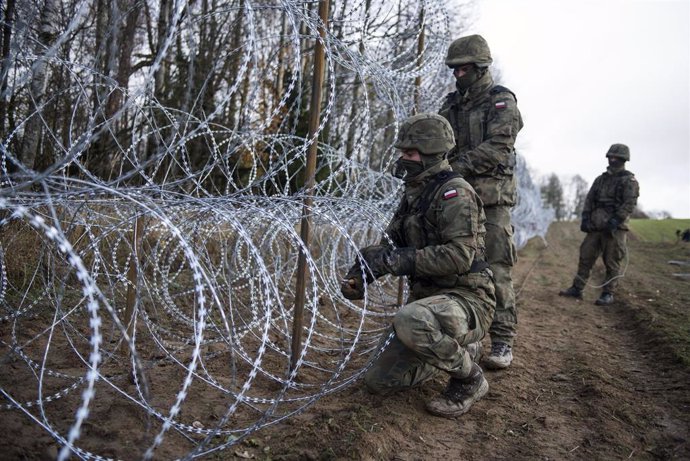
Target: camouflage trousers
x=429 y=336
x=502 y=256
x=613 y=249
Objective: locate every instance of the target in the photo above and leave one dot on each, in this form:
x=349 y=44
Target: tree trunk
x=236 y=40
x=388 y=137
x=161 y=74
x=119 y=48
x=356 y=90
x=33 y=129
x=5 y=67
x=124 y=66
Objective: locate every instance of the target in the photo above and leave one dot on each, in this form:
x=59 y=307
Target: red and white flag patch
x=501 y=105
x=450 y=194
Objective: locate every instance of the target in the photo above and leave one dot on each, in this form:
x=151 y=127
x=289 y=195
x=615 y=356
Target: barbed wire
x=208 y=271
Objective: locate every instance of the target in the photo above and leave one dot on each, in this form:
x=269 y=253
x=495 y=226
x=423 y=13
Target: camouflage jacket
x=612 y=195
x=486 y=122
x=448 y=236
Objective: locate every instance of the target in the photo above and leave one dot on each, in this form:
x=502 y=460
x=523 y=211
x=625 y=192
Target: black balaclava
x=407 y=168
x=470 y=77
x=616 y=164
x=411 y=168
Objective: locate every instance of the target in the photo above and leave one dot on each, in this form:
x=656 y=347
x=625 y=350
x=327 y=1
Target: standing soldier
x=607 y=209
x=486 y=121
x=436 y=238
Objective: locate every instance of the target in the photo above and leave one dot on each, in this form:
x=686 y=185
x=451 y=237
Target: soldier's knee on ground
x=375 y=385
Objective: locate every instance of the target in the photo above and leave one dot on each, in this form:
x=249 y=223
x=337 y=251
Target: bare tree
x=578 y=193
x=116 y=45
x=229 y=77
x=8 y=20
x=552 y=195
x=33 y=129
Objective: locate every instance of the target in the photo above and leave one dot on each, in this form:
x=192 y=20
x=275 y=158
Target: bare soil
x=587 y=382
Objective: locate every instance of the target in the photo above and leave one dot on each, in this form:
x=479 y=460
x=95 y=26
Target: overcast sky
x=590 y=73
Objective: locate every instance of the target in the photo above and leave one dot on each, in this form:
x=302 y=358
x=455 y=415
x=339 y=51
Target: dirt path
x=587 y=383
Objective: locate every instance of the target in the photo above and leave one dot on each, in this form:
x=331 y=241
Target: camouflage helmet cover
x=471 y=49
x=430 y=134
x=619 y=151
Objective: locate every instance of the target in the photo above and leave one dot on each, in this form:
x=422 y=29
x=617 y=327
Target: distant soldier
x=609 y=203
x=436 y=238
x=486 y=121
x=683 y=236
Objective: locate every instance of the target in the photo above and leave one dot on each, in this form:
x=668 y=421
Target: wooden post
x=132 y=276
x=305 y=225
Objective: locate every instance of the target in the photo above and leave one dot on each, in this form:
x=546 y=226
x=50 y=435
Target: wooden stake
x=305 y=226
x=132 y=276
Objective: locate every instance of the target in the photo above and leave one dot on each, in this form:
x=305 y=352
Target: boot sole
x=481 y=392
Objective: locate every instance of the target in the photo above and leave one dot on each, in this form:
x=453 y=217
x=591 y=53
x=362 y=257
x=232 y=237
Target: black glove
x=370 y=263
x=380 y=260
x=612 y=224
x=400 y=261
x=352 y=288
x=585 y=225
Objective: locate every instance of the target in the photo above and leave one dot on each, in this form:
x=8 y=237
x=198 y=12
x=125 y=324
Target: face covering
x=616 y=163
x=408 y=168
x=466 y=81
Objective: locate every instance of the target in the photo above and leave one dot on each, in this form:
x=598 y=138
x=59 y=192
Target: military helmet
x=619 y=151
x=471 y=49
x=430 y=134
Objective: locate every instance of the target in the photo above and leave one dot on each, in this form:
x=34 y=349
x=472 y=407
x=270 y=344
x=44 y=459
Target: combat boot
x=475 y=350
x=460 y=394
x=604 y=300
x=571 y=292
x=501 y=356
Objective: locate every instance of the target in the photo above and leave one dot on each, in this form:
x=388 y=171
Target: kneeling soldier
x=436 y=238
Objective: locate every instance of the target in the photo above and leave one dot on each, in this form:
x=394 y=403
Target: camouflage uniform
x=609 y=203
x=436 y=238
x=449 y=307
x=486 y=122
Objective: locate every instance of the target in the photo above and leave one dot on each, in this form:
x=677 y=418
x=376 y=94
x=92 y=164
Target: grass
x=661 y=297
x=658 y=230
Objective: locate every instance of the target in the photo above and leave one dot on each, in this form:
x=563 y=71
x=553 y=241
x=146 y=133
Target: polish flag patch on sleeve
x=450 y=194
x=501 y=105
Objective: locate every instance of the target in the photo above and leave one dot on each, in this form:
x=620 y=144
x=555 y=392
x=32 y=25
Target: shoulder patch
x=501 y=105
x=450 y=193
